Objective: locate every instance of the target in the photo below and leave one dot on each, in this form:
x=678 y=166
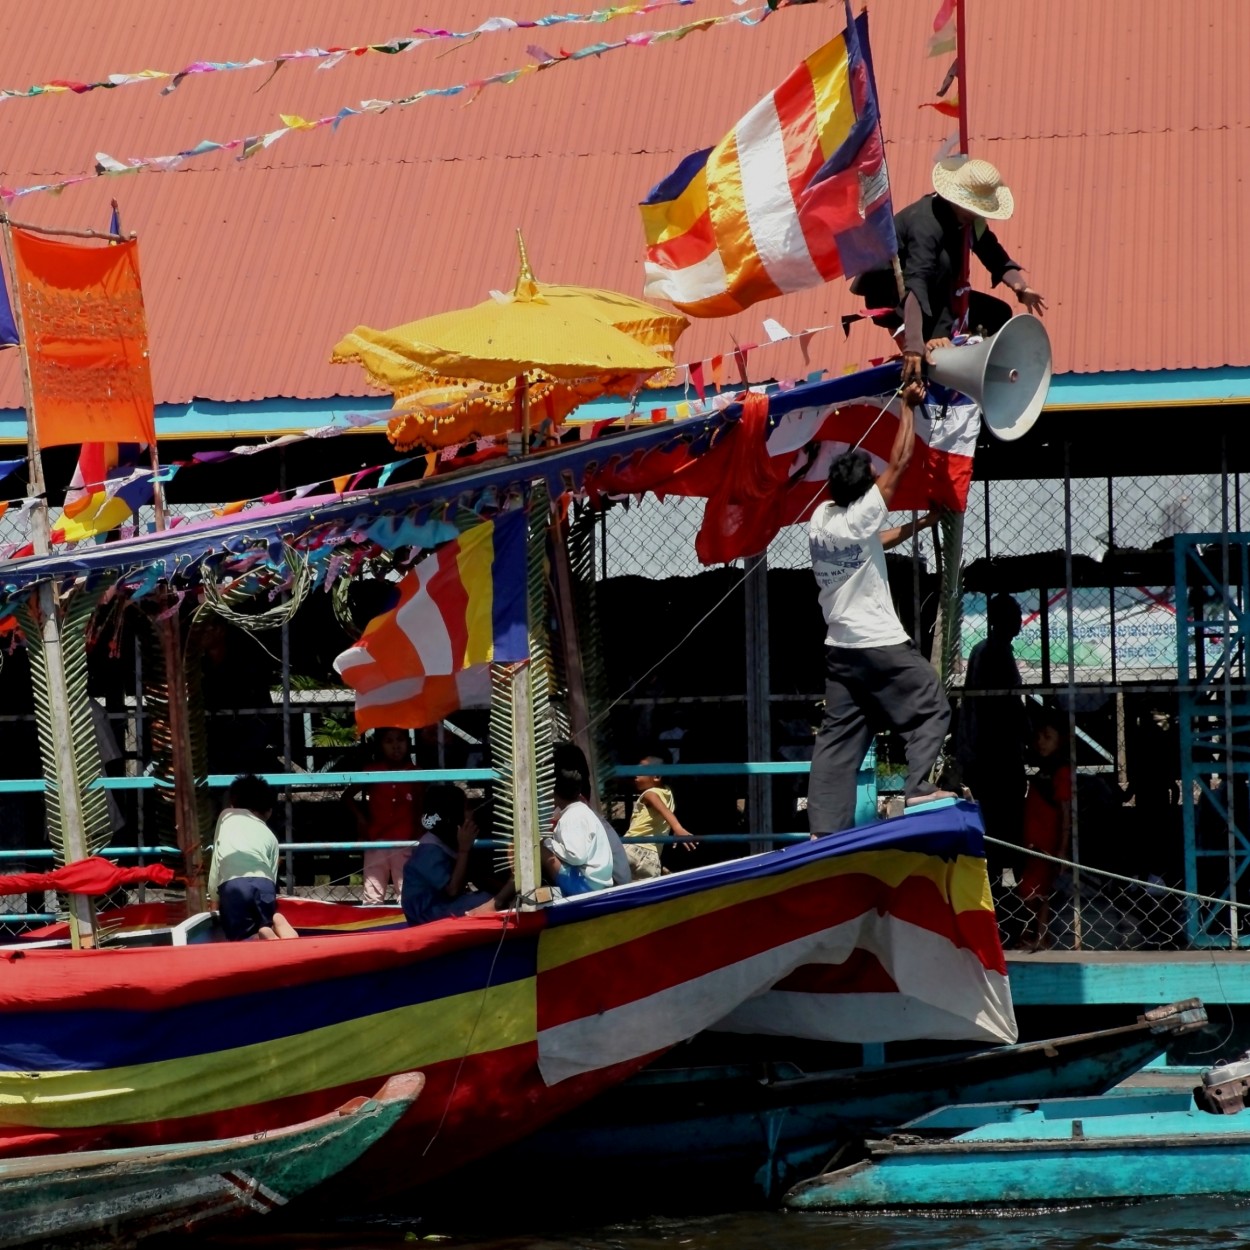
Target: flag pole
x=73 y=824
x=961 y=60
x=168 y=629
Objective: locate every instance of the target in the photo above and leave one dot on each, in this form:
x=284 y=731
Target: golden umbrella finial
x=526 y=284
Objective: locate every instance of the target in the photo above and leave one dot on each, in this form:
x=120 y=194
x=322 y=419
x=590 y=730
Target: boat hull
x=117 y=1198
x=728 y=1130
x=1119 y=1149
x=514 y=1021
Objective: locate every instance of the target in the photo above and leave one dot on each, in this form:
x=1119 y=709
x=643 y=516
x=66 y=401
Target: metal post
x=82 y=922
x=1067 y=574
x=1226 y=651
x=986 y=506
x=288 y=811
x=758 y=689
x=916 y=631
x=140 y=795
x=574 y=669
x=603 y=542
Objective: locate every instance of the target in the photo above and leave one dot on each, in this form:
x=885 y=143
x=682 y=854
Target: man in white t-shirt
x=875 y=678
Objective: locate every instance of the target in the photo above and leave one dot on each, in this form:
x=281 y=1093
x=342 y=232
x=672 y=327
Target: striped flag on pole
x=459 y=610
x=795 y=195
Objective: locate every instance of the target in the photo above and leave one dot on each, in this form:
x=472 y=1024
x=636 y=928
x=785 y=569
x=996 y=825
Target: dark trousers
x=868 y=689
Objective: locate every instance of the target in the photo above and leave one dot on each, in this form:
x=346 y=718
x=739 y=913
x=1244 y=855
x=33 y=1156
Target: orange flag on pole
x=86 y=340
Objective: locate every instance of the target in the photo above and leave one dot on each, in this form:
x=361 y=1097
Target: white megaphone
x=1008 y=374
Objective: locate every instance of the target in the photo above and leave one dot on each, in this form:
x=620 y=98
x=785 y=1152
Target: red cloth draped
x=86 y=876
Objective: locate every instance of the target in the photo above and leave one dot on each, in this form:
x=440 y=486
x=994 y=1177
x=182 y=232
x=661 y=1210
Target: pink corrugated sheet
x=1120 y=125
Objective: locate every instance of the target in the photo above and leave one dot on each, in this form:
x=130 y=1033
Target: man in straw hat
x=931 y=234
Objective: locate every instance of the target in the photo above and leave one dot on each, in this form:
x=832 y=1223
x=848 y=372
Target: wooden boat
x=733 y=1129
x=513 y=1020
x=116 y=1198
x=1121 y=1147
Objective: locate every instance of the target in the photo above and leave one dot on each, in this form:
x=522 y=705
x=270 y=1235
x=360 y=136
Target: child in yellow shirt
x=653 y=817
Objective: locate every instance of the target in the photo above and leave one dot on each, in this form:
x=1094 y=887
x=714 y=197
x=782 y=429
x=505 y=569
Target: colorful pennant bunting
x=333 y=55
x=249 y=145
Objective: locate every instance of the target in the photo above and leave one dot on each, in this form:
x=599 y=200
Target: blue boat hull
x=1119 y=1149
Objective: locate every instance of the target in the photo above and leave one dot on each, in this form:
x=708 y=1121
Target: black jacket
x=930 y=250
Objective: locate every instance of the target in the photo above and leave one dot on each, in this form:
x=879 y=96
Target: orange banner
x=86 y=340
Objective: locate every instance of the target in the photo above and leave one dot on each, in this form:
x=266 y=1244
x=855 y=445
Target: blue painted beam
x=1137 y=978
x=204 y=418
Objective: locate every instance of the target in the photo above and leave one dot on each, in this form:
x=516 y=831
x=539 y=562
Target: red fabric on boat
x=87 y=876
x=745 y=507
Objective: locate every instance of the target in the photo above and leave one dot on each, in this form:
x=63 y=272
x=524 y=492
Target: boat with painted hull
x=117 y=1198
x=733 y=1129
x=513 y=1020
x=1121 y=1147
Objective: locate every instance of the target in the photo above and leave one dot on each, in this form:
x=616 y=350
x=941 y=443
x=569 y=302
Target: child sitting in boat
x=1047 y=826
x=245 y=865
x=568 y=755
x=437 y=871
x=653 y=817
x=577 y=857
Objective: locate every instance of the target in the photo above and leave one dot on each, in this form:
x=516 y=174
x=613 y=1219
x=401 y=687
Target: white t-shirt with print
x=581 y=841
x=849 y=563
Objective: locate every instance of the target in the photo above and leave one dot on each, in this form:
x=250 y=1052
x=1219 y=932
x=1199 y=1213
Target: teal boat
x=116 y=1198
x=1121 y=1147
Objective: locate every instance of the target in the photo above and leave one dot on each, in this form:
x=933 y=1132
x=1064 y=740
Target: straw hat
x=974 y=185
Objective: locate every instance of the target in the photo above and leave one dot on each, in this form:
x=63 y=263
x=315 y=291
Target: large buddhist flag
x=459 y=610
x=795 y=195
x=86 y=340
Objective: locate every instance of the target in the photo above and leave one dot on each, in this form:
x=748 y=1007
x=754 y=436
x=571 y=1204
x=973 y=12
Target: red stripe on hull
x=658 y=961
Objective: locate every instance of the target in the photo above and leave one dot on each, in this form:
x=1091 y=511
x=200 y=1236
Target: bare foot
x=917 y=799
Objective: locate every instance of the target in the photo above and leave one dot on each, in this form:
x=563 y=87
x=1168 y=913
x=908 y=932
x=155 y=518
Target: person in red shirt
x=1047 y=826
x=390 y=812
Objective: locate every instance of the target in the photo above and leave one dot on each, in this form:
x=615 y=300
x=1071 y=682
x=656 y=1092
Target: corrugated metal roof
x=1123 y=130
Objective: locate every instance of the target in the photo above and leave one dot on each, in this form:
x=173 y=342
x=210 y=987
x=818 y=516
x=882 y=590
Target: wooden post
x=186 y=815
x=82 y=912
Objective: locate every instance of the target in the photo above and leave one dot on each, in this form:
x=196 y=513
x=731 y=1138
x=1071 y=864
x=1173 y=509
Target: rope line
x=1116 y=876
x=747 y=572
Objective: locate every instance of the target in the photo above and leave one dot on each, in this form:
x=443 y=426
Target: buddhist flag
x=459 y=610
x=8 y=329
x=795 y=195
x=86 y=340
x=105 y=492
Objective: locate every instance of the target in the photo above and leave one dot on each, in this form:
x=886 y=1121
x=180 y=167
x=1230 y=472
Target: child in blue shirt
x=435 y=874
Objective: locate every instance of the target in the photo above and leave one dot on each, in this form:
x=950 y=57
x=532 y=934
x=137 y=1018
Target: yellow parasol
x=544 y=348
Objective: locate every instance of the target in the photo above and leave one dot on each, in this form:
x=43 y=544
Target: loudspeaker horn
x=1008 y=374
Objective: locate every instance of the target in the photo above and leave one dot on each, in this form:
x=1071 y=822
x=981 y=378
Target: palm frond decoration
x=76 y=615
x=544 y=722
x=221 y=598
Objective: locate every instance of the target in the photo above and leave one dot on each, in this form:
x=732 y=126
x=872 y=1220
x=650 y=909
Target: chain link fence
x=1088 y=560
